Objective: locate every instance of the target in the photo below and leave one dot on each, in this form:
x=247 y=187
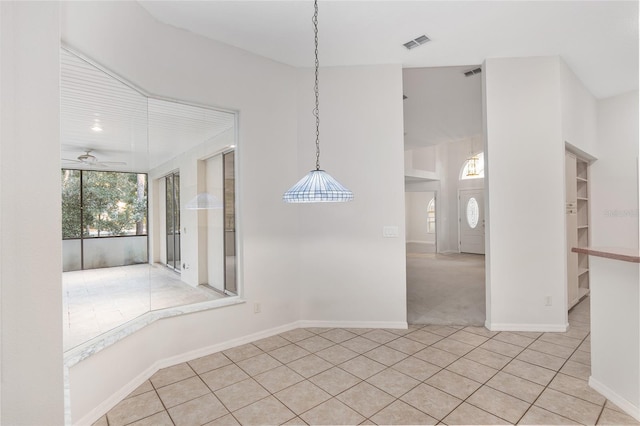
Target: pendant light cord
x=316 y=111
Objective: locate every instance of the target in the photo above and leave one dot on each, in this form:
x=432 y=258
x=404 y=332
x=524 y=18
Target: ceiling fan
x=91 y=160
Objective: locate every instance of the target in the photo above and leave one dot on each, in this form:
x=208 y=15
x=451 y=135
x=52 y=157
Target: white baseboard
x=353 y=324
x=133 y=384
x=628 y=407
x=431 y=243
x=92 y=416
x=188 y=356
x=551 y=328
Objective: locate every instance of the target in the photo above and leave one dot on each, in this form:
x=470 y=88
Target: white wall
x=525 y=199
x=613 y=180
x=424 y=158
x=279 y=255
x=177 y=64
x=579 y=112
x=348 y=271
x=615 y=331
x=442 y=105
x=416 y=204
x=31 y=254
x=614 y=284
x=195 y=231
x=103 y=252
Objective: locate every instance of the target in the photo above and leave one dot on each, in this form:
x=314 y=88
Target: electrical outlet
x=548 y=301
x=257 y=308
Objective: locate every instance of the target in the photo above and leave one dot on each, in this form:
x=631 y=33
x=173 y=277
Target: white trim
x=97 y=412
x=551 y=328
x=354 y=324
x=627 y=406
x=579 y=153
x=431 y=243
x=95 y=345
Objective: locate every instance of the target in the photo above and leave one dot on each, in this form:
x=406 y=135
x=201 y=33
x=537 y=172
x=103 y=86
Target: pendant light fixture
x=317 y=186
x=472 y=169
x=472 y=163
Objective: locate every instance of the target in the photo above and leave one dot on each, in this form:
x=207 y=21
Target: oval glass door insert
x=473 y=213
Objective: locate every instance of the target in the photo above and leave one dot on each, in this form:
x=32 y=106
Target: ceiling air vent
x=418 y=41
x=473 y=72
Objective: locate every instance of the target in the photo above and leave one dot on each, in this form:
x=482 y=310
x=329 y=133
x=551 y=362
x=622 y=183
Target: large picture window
x=104 y=219
x=103 y=204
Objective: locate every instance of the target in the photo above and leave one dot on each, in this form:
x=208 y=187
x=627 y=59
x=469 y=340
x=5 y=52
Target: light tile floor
x=423 y=375
x=98 y=300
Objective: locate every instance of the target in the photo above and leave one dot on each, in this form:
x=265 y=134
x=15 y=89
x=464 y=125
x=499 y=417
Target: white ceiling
x=138 y=131
x=597 y=39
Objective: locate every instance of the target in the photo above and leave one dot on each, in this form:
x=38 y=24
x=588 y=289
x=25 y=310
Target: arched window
x=473 y=168
x=431 y=216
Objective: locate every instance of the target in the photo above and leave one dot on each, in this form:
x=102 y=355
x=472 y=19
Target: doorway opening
x=444 y=141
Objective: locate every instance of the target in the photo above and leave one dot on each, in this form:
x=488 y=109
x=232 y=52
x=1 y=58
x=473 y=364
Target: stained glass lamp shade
x=317 y=187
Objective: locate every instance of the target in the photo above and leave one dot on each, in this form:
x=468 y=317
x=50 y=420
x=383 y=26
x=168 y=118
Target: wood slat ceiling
x=140 y=131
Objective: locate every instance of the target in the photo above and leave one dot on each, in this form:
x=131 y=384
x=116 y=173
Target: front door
x=471 y=219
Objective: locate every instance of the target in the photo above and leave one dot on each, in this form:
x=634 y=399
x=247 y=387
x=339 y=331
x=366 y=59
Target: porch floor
x=98 y=300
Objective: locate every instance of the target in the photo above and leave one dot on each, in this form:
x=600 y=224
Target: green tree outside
x=114 y=204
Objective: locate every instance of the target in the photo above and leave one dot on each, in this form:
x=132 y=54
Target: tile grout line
x=553 y=378
x=501 y=369
x=482 y=384
x=386 y=367
x=216 y=396
x=161 y=402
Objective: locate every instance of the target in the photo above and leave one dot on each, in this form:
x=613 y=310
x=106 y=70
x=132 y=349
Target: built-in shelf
x=582 y=292
x=577 y=217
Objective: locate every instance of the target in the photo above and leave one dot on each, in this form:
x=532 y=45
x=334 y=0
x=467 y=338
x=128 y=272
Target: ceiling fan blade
x=112 y=163
x=71 y=160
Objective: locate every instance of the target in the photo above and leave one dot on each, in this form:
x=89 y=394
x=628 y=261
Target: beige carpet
x=445 y=288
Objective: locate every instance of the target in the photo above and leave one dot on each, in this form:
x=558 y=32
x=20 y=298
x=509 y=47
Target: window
x=114 y=204
x=473 y=168
x=98 y=209
x=473 y=213
x=172 y=212
x=431 y=216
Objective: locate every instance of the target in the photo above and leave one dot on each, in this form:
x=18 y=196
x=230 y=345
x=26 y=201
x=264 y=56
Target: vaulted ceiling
x=597 y=39
x=120 y=127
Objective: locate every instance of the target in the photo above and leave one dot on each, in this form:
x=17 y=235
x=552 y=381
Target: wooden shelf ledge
x=616 y=253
